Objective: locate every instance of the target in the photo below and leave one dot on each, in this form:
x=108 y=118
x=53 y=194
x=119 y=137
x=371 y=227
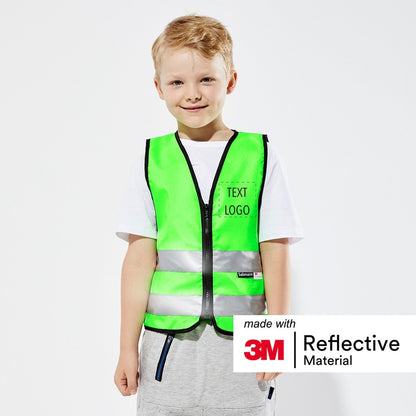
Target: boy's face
x=188 y=80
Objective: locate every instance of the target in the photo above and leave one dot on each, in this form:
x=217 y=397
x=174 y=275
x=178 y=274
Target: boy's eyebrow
x=173 y=76
x=201 y=74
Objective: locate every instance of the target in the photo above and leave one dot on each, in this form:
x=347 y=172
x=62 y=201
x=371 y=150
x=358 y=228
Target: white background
x=331 y=82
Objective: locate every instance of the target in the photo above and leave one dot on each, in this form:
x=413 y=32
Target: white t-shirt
x=278 y=216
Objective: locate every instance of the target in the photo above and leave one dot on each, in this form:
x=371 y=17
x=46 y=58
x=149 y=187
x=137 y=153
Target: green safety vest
x=208 y=258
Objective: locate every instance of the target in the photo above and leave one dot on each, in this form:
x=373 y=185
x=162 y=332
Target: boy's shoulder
x=252 y=133
x=162 y=136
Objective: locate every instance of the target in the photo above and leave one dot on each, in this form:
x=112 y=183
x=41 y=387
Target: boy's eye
x=205 y=80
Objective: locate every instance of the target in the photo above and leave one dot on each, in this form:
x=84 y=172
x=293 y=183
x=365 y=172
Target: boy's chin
x=197 y=124
x=191 y=125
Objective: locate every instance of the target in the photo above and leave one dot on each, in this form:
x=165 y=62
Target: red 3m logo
x=263 y=350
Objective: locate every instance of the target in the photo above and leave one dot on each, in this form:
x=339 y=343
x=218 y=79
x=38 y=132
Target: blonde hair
x=205 y=34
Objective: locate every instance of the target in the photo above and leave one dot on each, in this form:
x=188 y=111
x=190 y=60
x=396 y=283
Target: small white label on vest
x=245 y=274
x=256 y=275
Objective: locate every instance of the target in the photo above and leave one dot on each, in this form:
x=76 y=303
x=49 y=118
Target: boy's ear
x=159 y=90
x=232 y=82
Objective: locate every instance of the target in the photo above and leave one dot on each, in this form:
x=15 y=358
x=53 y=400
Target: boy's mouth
x=194 y=108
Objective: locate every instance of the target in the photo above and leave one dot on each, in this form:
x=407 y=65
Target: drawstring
x=270 y=392
x=163 y=354
x=272 y=397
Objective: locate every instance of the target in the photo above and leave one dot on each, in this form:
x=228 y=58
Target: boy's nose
x=193 y=98
x=193 y=94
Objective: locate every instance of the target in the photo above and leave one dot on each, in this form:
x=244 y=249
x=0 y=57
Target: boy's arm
x=137 y=272
x=275 y=261
x=276 y=273
x=136 y=277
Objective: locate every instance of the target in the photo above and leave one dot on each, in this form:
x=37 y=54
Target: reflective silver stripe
x=239 y=305
x=237 y=261
x=191 y=305
x=174 y=305
x=179 y=261
x=223 y=261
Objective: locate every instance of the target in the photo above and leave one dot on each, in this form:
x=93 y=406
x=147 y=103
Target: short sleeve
x=136 y=215
x=278 y=215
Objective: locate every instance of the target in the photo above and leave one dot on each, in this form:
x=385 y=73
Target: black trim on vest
x=146 y=170
x=265 y=140
x=146 y=164
x=173 y=331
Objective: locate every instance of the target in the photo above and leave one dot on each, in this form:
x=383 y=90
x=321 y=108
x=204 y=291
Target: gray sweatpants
x=198 y=378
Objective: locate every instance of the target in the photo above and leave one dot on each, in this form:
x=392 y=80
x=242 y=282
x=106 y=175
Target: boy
x=208 y=217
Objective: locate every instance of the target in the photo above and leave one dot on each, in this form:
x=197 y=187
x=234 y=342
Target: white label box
x=325 y=343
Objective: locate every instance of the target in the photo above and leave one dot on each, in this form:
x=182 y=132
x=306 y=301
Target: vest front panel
x=209 y=262
x=235 y=220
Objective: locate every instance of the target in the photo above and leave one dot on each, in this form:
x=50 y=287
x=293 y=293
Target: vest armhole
x=265 y=140
x=146 y=174
x=146 y=163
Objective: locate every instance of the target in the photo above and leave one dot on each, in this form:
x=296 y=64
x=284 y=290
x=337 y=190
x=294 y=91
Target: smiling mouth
x=194 y=108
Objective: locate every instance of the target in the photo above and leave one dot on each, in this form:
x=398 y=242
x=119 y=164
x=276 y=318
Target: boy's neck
x=208 y=133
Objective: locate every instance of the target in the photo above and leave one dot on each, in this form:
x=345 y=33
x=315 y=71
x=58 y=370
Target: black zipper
x=207 y=299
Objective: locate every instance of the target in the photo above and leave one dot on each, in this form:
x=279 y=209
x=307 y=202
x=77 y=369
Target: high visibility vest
x=208 y=258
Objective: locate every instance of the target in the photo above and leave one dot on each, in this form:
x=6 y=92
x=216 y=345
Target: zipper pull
x=206 y=217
